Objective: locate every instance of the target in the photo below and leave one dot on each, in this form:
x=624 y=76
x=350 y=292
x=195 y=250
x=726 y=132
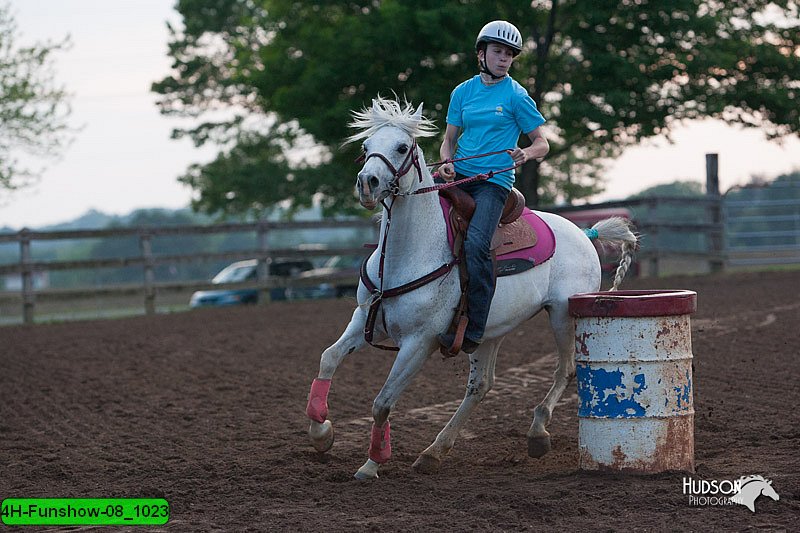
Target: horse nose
x=368 y=182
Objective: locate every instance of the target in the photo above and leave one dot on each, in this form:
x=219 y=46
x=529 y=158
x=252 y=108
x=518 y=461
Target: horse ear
x=418 y=112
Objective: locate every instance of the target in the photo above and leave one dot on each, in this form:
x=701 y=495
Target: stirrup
x=458 y=339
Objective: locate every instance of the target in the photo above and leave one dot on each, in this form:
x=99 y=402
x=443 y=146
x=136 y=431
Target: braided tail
x=618 y=232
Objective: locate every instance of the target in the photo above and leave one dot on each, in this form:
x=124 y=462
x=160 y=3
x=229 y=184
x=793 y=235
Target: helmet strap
x=485 y=67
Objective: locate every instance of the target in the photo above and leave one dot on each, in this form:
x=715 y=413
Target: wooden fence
x=762 y=225
x=150 y=287
x=677 y=233
x=701 y=227
x=672 y=228
x=695 y=240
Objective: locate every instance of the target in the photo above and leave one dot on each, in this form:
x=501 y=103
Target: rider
x=487 y=113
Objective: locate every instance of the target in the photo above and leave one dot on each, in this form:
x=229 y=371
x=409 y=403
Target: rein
x=476 y=177
x=377 y=292
x=412 y=161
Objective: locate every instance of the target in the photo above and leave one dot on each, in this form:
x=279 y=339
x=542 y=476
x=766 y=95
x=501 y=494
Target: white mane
x=386 y=112
x=747 y=479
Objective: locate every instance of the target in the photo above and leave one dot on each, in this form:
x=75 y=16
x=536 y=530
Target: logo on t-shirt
x=498 y=110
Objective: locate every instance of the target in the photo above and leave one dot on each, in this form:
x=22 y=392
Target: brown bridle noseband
x=411 y=161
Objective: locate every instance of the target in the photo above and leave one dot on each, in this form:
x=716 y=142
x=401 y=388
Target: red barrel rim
x=655 y=302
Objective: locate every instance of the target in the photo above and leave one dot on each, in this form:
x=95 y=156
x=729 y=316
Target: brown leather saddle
x=512 y=234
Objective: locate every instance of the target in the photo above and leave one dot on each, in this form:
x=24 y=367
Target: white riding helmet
x=500 y=31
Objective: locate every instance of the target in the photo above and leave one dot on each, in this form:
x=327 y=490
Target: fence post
x=149 y=275
x=652 y=238
x=28 y=298
x=264 y=295
x=715 y=246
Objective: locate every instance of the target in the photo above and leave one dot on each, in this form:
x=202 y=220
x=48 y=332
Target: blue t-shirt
x=491 y=118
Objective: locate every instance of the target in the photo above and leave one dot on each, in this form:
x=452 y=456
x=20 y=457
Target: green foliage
x=783 y=187
x=793 y=177
x=676 y=188
x=606 y=73
x=33 y=109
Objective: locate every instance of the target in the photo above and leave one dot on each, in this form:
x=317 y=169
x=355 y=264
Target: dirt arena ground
x=206 y=409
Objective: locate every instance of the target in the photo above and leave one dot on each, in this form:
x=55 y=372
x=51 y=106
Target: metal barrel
x=633 y=352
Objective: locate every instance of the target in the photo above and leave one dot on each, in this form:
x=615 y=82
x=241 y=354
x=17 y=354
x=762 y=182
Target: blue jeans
x=489 y=201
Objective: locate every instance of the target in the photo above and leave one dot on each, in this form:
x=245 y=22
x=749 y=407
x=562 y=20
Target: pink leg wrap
x=317 y=408
x=380 y=446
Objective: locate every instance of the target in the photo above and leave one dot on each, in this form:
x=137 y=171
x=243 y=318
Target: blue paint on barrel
x=603 y=393
x=684 y=400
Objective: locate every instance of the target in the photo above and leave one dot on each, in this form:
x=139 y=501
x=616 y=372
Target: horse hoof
x=539 y=446
x=426 y=464
x=368 y=471
x=361 y=476
x=321 y=435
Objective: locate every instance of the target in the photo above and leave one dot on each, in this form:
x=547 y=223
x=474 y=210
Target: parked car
x=346 y=269
x=247 y=270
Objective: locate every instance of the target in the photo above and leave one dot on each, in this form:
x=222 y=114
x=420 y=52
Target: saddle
x=464 y=206
x=522 y=240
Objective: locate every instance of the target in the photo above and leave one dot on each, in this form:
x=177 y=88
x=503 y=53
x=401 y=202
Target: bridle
x=411 y=161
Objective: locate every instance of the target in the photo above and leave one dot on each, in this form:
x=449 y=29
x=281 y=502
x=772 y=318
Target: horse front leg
x=480 y=381
x=320 y=429
x=409 y=361
x=564 y=330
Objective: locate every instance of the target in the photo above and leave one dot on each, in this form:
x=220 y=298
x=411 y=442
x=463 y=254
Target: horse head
x=770 y=492
x=751 y=487
x=391 y=156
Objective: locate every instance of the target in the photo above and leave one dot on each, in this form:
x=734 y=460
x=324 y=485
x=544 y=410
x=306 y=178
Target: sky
x=122 y=158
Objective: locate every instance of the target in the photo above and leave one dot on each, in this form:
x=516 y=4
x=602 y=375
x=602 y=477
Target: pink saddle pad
x=537 y=254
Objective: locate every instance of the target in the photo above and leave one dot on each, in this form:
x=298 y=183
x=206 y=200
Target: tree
x=33 y=109
x=676 y=188
x=606 y=74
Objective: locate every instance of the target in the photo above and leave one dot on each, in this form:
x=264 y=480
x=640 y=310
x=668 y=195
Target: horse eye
x=403 y=148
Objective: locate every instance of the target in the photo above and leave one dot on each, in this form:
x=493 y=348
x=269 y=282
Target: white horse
x=415 y=245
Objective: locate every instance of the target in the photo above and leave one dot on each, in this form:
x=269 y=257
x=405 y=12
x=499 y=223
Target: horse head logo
x=751 y=488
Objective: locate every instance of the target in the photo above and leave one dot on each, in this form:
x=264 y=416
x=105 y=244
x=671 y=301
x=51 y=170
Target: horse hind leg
x=564 y=330
x=480 y=381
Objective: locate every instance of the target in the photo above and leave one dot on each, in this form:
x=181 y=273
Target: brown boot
x=447 y=340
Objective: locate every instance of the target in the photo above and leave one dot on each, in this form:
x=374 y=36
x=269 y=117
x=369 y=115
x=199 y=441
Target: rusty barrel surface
x=633 y=353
